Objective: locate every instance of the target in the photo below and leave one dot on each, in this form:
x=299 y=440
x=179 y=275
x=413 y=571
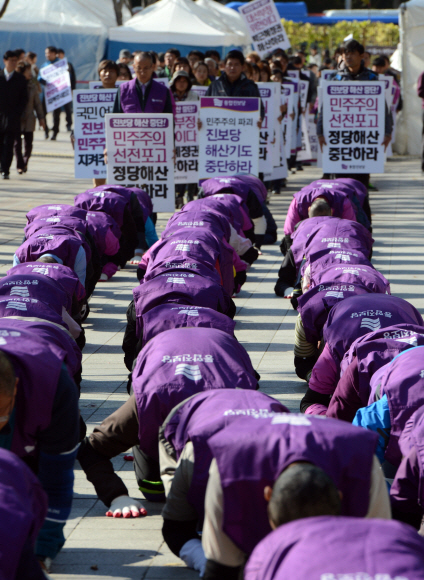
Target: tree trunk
x=4 y=8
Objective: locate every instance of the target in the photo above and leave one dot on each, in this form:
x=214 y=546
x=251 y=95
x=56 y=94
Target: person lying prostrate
x=347 y=321
x=185 y=460
x=106 y=234
x=398 y=392
x=50 y=210
x=71 y=222
x=39 y=422
x=144 y=324
x=249 y=457
x=331 y=548
x=23 y=507
x=407 y=490
x=364 y=358
x=174 y=365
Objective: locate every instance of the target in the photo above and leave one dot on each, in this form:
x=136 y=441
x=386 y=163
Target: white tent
x=408 y=130
x=180 y=23
x=68 y=24
x=230 y=17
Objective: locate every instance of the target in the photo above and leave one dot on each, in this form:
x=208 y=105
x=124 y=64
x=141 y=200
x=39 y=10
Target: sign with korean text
x=305 y=153
x=354 y=119
x=57 y=90
x=199 y=90
x=229 y=137
x=270 y=127
x=140 y=154
x=90 y=109
x=264 y=25
x=288 y=126
x=186 y=144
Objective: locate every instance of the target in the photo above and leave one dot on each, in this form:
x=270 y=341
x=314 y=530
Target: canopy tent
x=408 y=130
x=182 y=24
x=68 y=24
x=233 y=19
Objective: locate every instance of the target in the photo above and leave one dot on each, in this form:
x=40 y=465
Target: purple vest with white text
x=71 y=222
x=106 y=201
x=130 y=101
x=226 y=205
x=42 y=211
x=61 y=243
x=198 y=219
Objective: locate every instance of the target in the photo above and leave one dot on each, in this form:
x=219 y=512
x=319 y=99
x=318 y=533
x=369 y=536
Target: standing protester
x=28 y=118
x=13 y=100
x=125 y=57
x=124 y=72
x=171 y=56
x=201 y=74
x=51 y=58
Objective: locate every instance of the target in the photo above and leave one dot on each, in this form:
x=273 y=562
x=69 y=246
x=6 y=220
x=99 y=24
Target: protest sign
x=199 y=90
x=353 y=122
x=305 y=153
x=186 y=144
x=264 y=25
x=327 y=74
x=57 y=90
x=90 y=109
x=98 y=84
x=229 y=137
x=162 y=80
x=288 y=126
x=270 y=127
x=140 y=154
x=303 y=87
x=313 y=138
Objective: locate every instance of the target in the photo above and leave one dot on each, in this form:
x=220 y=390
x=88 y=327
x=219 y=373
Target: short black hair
x=301 y=491
x=9 y=54
x=198 y=53
x=161 y=56
x=236 y=54
x=277 y=71
x=353 y=46
x=51 y=49
x=145 y=54
x=212 y=53
x=20 y=51
x=379 y=61
x=108 y=64
x=61 y=50
x=7 y=375
x=173 y=51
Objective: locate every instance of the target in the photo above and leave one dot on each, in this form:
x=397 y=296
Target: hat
x=178 y=74
x=124 y=53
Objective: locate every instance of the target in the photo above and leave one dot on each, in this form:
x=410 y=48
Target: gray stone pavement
x=105 y=548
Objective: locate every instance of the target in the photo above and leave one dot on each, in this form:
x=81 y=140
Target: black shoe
x=5 y=175
x=69 y=128
x=46 y=134
x=53 y=137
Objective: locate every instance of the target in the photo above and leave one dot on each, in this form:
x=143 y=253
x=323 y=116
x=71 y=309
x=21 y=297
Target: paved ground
x=104 y=548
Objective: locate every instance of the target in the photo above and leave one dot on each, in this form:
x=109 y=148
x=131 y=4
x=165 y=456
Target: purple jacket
x=103 y=228
x=61 y=209
x=37 y=364
x=253 y=452
x=366 y=356
x=145 y=202
x=130 y=102
x=23 y=507
x=363 y=274
x=70 y=222
x=226 y=184
x=180 y=263
x=29 y=286
x=103 y=200
x=179 y=363
x=227 y=205
x=349 y=186
x=303 y=232
x=331 y=548
x=202 y=416
x=63 y=275
x=198 y=219
x=255 y=184
x=178 y=287
x=169 y=316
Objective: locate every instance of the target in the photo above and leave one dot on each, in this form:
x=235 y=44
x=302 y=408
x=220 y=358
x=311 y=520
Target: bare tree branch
x=4 y=8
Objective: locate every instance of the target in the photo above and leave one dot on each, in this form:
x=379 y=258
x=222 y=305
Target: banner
x=186 y=143
x=229 y=137
x=90 y=109
x=57 y=90
x=288 y=127
x=140 y=154
x=199 y=90
x=305 y=153
x=353 y=121
x=264 y=25
x=268 y=140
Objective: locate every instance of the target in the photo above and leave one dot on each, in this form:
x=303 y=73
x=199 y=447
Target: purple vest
x=403 y=384
x=301 y=235
x=179 y=263
x=99 y=224
x=61 y=274
x=227 y=205
x=177 y=287
x=23 y=507
x=70 y=222
x=230 y=184
x=145 y=202
x=252 y=452
x=306 y=196
x=336 y=548
x=344 y=186
x=366 y=275
x=360 y=189
x=204 y=415
x=168 y=316
x=106 y=201
x=180 y=363
x=34 y=286
x=315 y=304
x=60 y=242
x=130 y=102
x=37 y=364
x=255 y=184
x=354 y=317
x=61 y=209
x=198 y=219
x=412 y=436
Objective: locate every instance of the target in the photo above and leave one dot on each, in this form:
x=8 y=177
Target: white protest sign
x=264 y=25
x=229 y=137
x=186 y=143
x=162 y=80
x=305 y=153
x=57 y=90
x=288 y=99
x=270 y=126
x=388 y=83
x=303 y=86
x=327 y=74
x=90 y=109
x=140 y=154
x=353 y=122
x=99 y=85
x=281 y=171
x=199 y=90
x=313 y=138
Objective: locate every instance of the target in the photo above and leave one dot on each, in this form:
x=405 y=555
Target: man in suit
x=13 y=100
x=68 y=106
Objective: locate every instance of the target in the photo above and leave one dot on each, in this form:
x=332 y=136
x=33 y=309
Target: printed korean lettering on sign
x=269 y=134
x=57 y=90
x=229 y=137
x=354 y=119
x=186 y=142
x=264 y=25
x=90 y=110
x=140 y=154
x=200 y=91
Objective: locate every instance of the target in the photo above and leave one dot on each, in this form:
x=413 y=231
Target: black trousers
x=22 y=160
x=7 y=140
x=56 y=117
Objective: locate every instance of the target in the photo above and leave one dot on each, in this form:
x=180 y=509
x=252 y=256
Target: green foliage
x=366 y=32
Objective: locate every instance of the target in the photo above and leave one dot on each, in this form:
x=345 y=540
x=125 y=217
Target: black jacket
x=13 y=100
x=243 y=87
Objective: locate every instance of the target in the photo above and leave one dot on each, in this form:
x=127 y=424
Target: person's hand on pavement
x=137 y=257
x=288 y=292
x=125 y=507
